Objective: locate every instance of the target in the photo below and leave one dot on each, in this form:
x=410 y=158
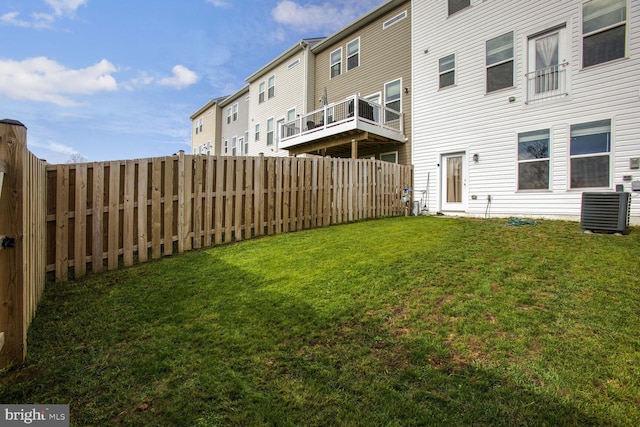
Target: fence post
x=13 y=143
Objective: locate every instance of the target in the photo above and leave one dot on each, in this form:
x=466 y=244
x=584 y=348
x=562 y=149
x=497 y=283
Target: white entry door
x=453 y=191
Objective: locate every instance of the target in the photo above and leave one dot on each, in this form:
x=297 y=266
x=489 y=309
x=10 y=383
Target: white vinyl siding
x=467 y=120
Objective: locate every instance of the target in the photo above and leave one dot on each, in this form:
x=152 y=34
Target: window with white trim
x=533 y=160
x=256 y=133
x=604 y=28
x=447 y=71
x=336 y=62
x=399 y=17
x=499 y=61
x=228 y=115
x=235 y=111
x=589 y=154
x=261 y=91
x=458 y=5
x=226 y=147
x=392 y=100
x=353 y=54
x=272 y=87
x=290 y=129
x=270 y=131
x=241 y=145
x=234 y=144
x=245 y=149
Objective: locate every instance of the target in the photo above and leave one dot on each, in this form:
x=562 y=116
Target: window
x=234 y=143
x=246 y=143
x=389 y=157
x=226 y=146
x=447 y=70
x=589 y=153
x=500 y=62
x=270 y=132
x=261 y=90
x=353 y=54
x=228 y=115
x=235 y=111
x=457 y=5
x=256 y=134
x=395 y=19
x=336 y=63
x=241 y=145
x=291 y=127
x=603 y=31
x=392 y=98
x=533 y=160
x=198 y=125
x=272 y=87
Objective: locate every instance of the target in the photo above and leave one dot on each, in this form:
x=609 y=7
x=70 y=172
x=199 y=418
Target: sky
x=97 y=80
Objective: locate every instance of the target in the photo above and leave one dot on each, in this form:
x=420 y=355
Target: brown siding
x=385 y=55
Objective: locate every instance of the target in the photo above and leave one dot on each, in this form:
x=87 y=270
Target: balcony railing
x=353 y=110
x=547 y=83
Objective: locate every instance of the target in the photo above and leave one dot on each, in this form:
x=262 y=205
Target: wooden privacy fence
x=103 y=215
x=22 y=239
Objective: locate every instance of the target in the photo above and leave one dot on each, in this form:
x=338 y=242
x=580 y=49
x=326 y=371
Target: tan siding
x=385 y=55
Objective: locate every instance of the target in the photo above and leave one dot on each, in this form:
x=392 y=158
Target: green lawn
x=405 y=321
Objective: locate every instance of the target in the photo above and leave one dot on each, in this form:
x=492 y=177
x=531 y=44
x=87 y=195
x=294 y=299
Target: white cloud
x=218 y=3
x=65 y=7
x=54 y=147
x=40 y=20
x=328 y=16
x=44 y=80
x=182 y=77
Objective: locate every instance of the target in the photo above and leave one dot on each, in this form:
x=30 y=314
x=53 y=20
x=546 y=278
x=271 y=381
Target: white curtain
x=547 y=51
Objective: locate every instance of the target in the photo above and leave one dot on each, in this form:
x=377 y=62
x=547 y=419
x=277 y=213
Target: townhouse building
x=362 y=91
x=279 y=92
x=521 y=106
x=234 y=128
x=206 y=127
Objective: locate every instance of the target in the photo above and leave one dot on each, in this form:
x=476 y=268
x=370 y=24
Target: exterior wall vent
x=605 y=212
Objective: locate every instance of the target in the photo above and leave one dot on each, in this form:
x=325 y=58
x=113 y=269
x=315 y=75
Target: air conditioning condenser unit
x=605 y=212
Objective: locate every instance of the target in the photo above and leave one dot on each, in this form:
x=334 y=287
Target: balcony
x=547 y=83
x=335 y=128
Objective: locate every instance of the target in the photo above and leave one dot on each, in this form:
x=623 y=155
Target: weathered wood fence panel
x=104 y=215
x=22 y=250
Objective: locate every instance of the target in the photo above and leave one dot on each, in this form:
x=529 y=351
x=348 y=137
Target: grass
x=405 y=321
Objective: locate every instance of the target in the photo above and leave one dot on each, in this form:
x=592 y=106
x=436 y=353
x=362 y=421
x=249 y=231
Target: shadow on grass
x=176 y=343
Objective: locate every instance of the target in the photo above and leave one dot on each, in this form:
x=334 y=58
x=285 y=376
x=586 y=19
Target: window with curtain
x=533 y=160
x=392 y=99
x=603 y=31
x=499 y=62
x=546 y=63
x=589 y=152
x=454 y=179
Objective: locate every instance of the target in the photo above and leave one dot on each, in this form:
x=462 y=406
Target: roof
x=243 y=90
x=208 y=105
x=358 y=24
x=301 y=45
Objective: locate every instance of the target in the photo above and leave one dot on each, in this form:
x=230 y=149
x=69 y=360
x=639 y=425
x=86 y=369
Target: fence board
x=169 y=171
x=143 y=176
x=128 y=213
x=80 y=222
x=113 y=227
x=239 y=181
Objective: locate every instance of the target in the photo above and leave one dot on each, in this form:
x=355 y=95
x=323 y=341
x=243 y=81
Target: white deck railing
x=352 y=109
x=547 y=83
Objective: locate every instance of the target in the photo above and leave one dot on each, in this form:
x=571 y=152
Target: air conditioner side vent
x=608 y=212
